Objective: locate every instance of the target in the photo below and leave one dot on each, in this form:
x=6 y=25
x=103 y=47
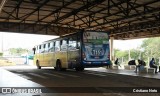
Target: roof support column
x=111 y=49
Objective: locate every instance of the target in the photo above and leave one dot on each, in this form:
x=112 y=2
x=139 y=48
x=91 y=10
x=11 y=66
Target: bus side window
x=57 y=46
x=48 y=45
x=43 y=48
x=64 y=45
x=72 y=43
x=46 y=48
x=37 y=49
x=40 y=48
x=51 y=47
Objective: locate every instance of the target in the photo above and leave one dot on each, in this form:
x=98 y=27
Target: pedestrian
x=117 y=62
x=139 y=65
x=152 y=64
x=108 y=66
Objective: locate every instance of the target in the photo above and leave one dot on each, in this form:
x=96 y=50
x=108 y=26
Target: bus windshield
x=95 y=46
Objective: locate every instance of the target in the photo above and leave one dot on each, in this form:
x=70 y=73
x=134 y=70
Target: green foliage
x=134 y=54
x=17 y=51
x=1 y=54
x=151 y=48
x=119 y=53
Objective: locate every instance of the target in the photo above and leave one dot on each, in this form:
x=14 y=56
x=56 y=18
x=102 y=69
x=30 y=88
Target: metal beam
x=22 y=7
x=41 y=5
x=56 y=11
x=18 y=5
x=137 y=26
x=155 y=32
x=103 y=9
x=130 y=16
x=128 y=24
x=9 y=14
x=121 y=12
x=2 y=5
x=30 y=28
x=89 y=4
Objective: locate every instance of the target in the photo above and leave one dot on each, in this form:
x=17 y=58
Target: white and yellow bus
x=74 y=51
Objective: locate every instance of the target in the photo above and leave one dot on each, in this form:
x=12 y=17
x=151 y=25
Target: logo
x=6 y=90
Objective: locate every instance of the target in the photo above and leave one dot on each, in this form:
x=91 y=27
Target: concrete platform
x=12 y=81
x=8 y=79
x=126 y=72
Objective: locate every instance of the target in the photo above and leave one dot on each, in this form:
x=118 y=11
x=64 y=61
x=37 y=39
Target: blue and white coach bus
x=74 y=51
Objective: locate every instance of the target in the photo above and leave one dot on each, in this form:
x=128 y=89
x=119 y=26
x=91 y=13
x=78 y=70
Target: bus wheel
x=58 y=65
x=37 y=64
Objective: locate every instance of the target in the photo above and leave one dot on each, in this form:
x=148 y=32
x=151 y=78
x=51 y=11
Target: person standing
x=138 y=65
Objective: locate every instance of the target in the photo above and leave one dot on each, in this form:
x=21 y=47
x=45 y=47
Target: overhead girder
x=155 y=32
x=75 y=11
x=41 y=5
x=144 y=29
x=2 y=3
x=114 y=16
x=57 y=10
x=124 y=17
x=31 y=29
x=103 y=9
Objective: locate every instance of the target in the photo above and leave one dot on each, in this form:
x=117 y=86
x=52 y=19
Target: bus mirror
x=34 y=50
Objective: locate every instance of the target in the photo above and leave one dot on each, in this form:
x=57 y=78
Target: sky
x=28 y=41
x=127 y=44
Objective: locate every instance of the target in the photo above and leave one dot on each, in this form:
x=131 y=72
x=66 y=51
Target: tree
x=17 y=51
x=1 y=54
x=134 y=54
x=121 y=54
x=151 y=48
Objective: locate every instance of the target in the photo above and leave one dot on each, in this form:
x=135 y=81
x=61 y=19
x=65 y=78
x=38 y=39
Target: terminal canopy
x=124 y=19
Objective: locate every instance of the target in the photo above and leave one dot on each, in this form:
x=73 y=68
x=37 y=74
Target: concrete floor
x=92 y=78
x=126 y=72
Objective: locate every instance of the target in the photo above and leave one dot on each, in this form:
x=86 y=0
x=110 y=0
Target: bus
x=74 y=51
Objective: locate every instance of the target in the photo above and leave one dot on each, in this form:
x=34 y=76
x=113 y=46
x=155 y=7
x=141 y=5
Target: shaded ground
x=90 y=79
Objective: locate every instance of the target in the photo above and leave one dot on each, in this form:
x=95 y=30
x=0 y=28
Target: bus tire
x=58 y=65
x=37 y=64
